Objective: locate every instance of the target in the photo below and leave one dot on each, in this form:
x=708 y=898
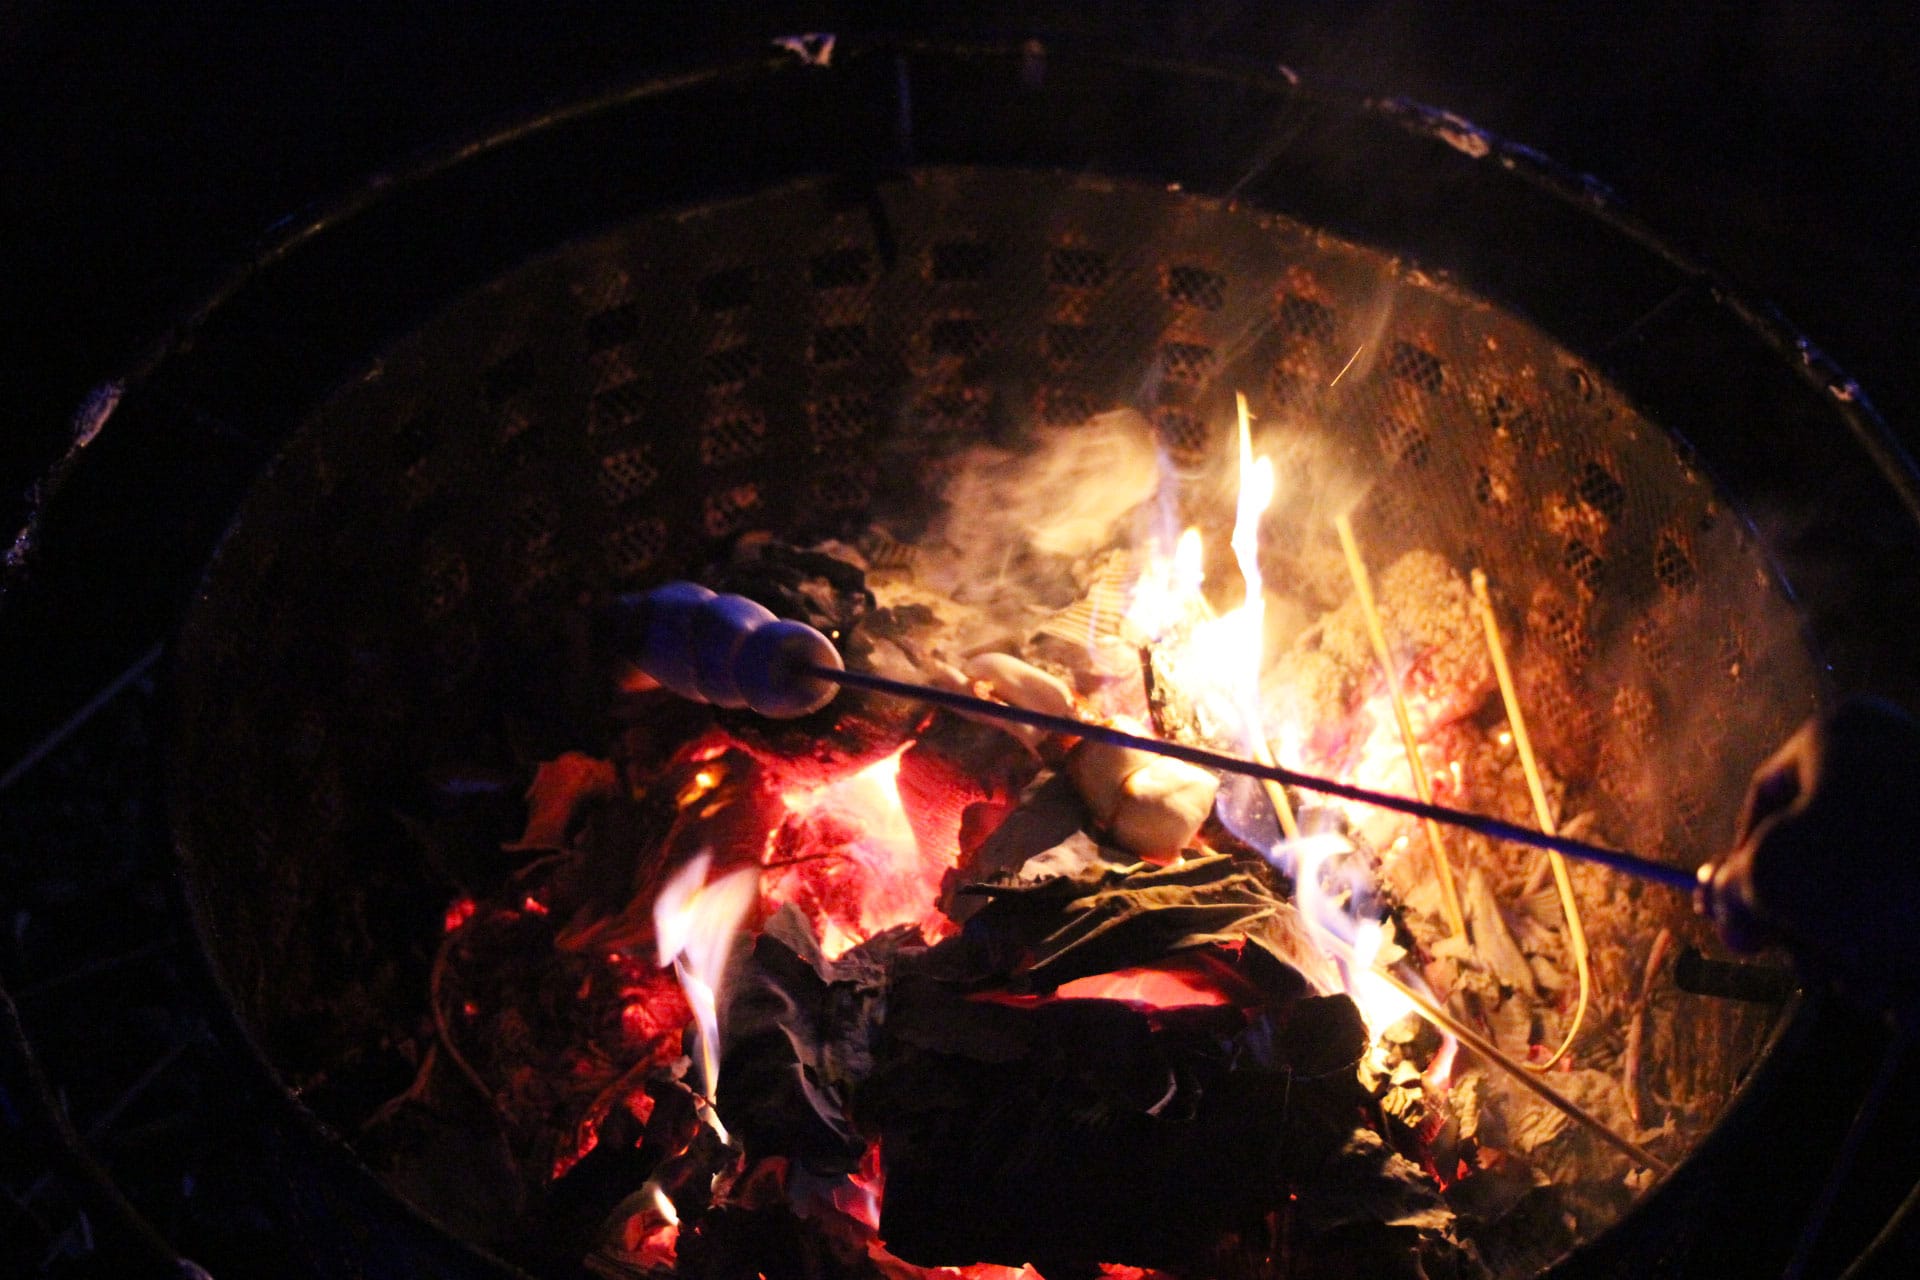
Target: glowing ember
x=1160 y=987
x=652 y=1235
x=459 y=911
x=848 y=858
x=858 y=1195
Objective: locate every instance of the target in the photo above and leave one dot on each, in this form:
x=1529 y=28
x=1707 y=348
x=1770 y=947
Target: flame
x=1354 y=941
x=1168 y=590
x=1216 y=661
x=651 y=1233
x=694 y=923
x=849 y=859
x=1381 y=1005
x=1367 y=751
x=1256 y=495
x=1244 y=628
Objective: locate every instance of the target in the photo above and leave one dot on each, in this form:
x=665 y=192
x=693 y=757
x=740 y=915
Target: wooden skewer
x=1437 y=1014
x=1436 y=848
x=1492 y=828
x=1276 y=794
x=1543 y=812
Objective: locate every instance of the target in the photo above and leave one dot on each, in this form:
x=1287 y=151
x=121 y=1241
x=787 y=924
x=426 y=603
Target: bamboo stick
x=1276 y=794
x=1435 y=1013
x=1363 y=588
x=1543 y=812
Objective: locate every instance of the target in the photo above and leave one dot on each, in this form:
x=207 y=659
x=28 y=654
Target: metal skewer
x=1492 y=828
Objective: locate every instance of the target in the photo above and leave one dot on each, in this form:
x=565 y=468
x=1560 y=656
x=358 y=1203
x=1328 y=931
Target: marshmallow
x=666 y=641
x=1021 y=683
x=1150 y=805
x=718 y=628
x=770 y=669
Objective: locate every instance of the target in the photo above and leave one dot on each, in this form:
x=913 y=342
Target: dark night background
x=146 y=149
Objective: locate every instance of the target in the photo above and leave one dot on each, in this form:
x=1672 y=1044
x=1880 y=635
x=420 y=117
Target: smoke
x=1017 y=520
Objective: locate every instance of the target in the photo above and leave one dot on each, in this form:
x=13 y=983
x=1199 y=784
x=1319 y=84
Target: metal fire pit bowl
x=584 y=354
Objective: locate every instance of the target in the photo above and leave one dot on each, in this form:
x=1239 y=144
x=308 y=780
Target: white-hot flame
x=694 y=924
x=1216 y=662
x=1245 y=627
x=1381 y=1005
x=1168 y=590
x=1214 y=659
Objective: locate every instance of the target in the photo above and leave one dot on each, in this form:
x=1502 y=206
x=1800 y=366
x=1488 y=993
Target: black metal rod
x=92 y=707
x=1492 y=828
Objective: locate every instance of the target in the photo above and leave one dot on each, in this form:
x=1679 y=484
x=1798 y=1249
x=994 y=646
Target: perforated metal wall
x=407 y=589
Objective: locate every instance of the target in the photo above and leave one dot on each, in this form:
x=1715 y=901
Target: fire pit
x=398 y=625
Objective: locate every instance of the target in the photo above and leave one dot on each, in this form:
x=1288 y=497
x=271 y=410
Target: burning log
x=561 y=789
x=1050 y=814
x=957 y=777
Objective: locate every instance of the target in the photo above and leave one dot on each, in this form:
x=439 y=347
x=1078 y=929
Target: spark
x=1348 y=365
